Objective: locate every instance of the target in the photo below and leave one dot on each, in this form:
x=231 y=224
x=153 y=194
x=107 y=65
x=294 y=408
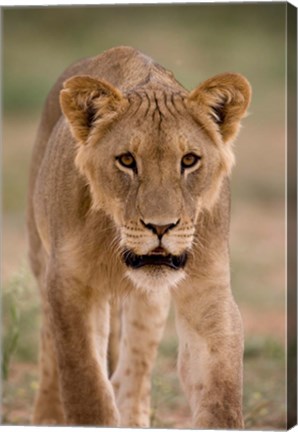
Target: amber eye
x=189 y=161
x=128 y=161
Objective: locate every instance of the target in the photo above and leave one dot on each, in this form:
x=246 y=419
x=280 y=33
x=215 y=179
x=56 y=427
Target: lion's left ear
x=86 y=102
x=223 y=100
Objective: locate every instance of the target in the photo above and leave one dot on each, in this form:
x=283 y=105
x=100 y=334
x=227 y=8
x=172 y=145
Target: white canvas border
x=24 y=3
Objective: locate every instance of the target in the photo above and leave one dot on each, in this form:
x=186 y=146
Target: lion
x=129 y=199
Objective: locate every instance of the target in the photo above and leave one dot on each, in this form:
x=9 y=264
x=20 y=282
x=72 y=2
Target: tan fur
x=86 y=208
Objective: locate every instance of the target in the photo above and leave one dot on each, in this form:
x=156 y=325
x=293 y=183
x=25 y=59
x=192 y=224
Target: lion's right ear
x=87 y=102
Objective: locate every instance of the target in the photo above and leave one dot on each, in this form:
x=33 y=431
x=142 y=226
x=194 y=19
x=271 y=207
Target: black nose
x=159 y=230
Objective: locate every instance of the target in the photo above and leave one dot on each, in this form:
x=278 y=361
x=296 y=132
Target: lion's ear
x=88 y=102
x=224 y=99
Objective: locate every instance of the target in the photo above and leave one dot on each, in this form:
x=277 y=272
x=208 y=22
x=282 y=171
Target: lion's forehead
x=156 y=125
x=157 y=104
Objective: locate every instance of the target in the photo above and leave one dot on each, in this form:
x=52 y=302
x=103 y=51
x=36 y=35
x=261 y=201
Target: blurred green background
x=195 y=42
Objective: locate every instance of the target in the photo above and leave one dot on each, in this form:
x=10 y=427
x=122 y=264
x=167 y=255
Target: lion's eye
x=128 y=161
x=189 y=160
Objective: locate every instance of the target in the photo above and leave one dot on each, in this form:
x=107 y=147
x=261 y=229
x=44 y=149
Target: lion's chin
x=155 y=278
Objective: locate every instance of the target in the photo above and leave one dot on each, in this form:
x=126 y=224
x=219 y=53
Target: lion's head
x=155 y=156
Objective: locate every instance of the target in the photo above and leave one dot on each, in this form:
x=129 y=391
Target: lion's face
x=152 y=168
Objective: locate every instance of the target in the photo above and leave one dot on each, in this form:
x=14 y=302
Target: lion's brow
x=156 y=104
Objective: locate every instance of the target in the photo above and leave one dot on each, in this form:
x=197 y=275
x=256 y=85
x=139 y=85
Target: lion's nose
x=159 y=230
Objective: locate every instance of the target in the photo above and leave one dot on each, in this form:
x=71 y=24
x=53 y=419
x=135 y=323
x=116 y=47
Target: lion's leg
x=114 y=338
x=48 y=407
x=81 y=343
x=210 y=354
x=143 y=324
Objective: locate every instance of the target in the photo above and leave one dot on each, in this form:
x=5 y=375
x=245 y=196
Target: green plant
x=20 y=319
x=10 y=340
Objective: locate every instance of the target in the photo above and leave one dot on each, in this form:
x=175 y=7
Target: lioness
x=129 y=197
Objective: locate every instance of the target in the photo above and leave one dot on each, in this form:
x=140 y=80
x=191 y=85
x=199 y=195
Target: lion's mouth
x=175 y=262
